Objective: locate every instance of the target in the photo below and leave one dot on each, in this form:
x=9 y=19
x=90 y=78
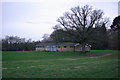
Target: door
x=48 y=48
x=61 y=48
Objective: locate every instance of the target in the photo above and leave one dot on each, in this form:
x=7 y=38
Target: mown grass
x=37 y=64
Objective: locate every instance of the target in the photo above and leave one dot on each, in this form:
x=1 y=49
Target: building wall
x=51 y=48
x=78 y=48
x=58 y=49
x=40 y=49
x=68 y=48
x=87 y=48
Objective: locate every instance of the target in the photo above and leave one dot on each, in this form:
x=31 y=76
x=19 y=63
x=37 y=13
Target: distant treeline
x=14 y=43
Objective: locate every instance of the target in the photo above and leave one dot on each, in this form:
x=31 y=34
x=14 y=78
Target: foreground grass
x=36 y=64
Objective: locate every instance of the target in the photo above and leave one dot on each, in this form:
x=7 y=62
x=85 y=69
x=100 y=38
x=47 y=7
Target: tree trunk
x=83 y=48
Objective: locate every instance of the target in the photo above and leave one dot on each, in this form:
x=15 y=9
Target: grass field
x=36 y=64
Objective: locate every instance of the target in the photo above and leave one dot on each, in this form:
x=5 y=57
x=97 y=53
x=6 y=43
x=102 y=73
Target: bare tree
x=46 y=38
x=79 y=23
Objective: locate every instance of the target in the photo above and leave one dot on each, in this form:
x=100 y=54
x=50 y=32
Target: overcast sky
x=33 y=19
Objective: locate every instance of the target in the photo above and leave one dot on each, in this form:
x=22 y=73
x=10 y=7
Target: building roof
x=40 y=44
x=69 y=44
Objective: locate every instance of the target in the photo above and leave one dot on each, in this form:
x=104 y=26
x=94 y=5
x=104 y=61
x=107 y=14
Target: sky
x=32 y=19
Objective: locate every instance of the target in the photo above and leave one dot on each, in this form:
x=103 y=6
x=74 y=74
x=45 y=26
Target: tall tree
x=116 y=28
x=113 y=39
x=46 y=38
x=79 y=23
x=99 y=38
x=116 y=23
x=60 y=36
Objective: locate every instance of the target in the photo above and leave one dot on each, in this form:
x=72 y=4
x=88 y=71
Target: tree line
x=15 y=43
x=83 y=25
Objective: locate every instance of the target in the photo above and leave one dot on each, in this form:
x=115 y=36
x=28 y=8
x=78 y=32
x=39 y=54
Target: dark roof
x=51 y=44
x=69 y=44
x=57 y=44
x=40 y=44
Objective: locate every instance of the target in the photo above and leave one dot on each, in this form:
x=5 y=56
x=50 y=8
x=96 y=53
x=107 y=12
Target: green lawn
x=36 y=64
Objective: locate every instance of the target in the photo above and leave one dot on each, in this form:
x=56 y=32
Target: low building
x=61 y=47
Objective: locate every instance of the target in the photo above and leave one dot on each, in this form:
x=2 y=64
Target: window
x=65 y=46
x=71 y=46
x=41 y=46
